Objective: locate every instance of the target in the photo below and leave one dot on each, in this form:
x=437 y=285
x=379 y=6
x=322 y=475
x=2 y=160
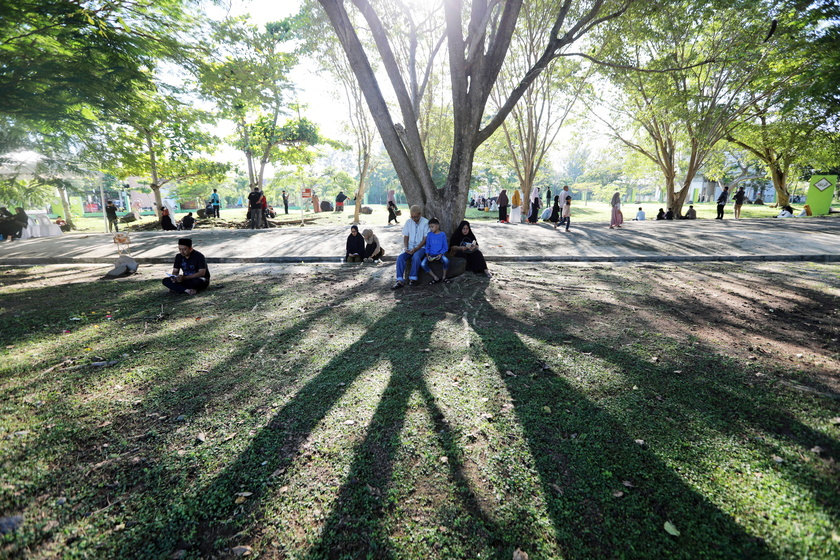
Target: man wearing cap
x=189 y=273
x=414 y=241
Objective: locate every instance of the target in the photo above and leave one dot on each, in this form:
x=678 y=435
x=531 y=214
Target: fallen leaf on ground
x=671 y=530
x=547 y=409
x=201 y=437
x=242 y=550
x=778 y=459
x=817 y=449
x=556 y=488
x=244 y=494
x=627 y=483
x=349 y=422
x=639 y=441
x=444 y=459
x=618 y=493
x=519 y=555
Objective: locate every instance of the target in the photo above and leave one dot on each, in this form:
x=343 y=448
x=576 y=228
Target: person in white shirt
x=414 y=240
x=640 y=215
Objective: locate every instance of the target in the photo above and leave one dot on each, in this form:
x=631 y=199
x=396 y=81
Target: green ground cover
x=590 y=212
x=573 y=412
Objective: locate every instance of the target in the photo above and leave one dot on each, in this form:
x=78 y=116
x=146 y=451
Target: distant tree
x=680 y=88
x=159 y=137
x=246 y=74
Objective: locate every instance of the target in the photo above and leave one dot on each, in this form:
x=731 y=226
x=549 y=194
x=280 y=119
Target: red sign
x=306 y=193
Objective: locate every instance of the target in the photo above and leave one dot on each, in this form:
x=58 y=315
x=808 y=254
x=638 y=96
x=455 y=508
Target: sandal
x=432 y=282
x=447 y=281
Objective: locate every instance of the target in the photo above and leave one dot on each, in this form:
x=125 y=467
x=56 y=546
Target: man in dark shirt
x=111 y=212
x=255 y=208
x=189 y=273
x=339 y=201
x=187 y=222
x=721 y=203
x=285 y=202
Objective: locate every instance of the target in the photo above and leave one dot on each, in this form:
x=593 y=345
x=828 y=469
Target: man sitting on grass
x=195 y=275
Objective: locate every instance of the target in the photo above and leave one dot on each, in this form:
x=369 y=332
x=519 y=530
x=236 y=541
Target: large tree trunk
x=360 y=192
x=155 y=186
x=65 y=204
x=779 y=177
x=474 y=65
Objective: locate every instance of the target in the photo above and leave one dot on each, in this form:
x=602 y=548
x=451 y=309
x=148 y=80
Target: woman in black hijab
x=355 y=246
x=463 y=244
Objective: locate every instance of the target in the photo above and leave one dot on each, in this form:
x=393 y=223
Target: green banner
x=820 y=193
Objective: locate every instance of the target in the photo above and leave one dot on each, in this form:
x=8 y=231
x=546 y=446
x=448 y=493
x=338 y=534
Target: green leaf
x=671 y=529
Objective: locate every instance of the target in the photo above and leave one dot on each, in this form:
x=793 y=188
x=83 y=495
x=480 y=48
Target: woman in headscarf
x=316 y=203
x=503 y=206
x=166 y=220
x=463 y=244
x=534 y=215
x=355 y=246
x=616 y=218
x=515 y=208
x=555 y=212
x=373 y=250
x=392 y=207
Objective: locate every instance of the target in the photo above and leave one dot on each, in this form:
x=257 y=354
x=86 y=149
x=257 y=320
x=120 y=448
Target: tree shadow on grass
x=583 y=455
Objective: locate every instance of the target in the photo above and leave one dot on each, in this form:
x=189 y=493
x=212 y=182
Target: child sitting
x=436 y=246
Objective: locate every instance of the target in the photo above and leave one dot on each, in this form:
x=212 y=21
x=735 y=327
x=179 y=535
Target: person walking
x=503 y=206
x=721 y=202
x=111 y=212
x=554 y=218
x=616 y=217
x=392 y=208
x=216 y=202
x=566 y=213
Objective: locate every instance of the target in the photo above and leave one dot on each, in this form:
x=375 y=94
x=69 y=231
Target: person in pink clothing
x=616 y=218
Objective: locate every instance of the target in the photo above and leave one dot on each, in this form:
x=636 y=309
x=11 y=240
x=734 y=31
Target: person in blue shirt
x=216 y=202
x=436 y=247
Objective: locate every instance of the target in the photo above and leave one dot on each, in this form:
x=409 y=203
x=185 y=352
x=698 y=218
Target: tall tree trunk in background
x=474 y=65
x=155 y=186
x=65 y=204
x=360 y=191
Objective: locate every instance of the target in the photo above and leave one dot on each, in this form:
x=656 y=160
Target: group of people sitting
x=11 y=225
x=166 y=223
x=423 y=243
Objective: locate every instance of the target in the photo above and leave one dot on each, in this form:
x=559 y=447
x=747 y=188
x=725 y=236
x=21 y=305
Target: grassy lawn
x=590 y=212
x=572 y=412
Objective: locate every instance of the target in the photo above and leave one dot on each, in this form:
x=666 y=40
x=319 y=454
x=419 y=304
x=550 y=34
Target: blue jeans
x=567 y=220
x=425 y=263
x=415 y=259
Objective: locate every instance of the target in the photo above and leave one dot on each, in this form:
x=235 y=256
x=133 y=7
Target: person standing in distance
x=255 y=208
x=216 y=202
x=285 y=202
x=111 y=212
x=721 y=203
